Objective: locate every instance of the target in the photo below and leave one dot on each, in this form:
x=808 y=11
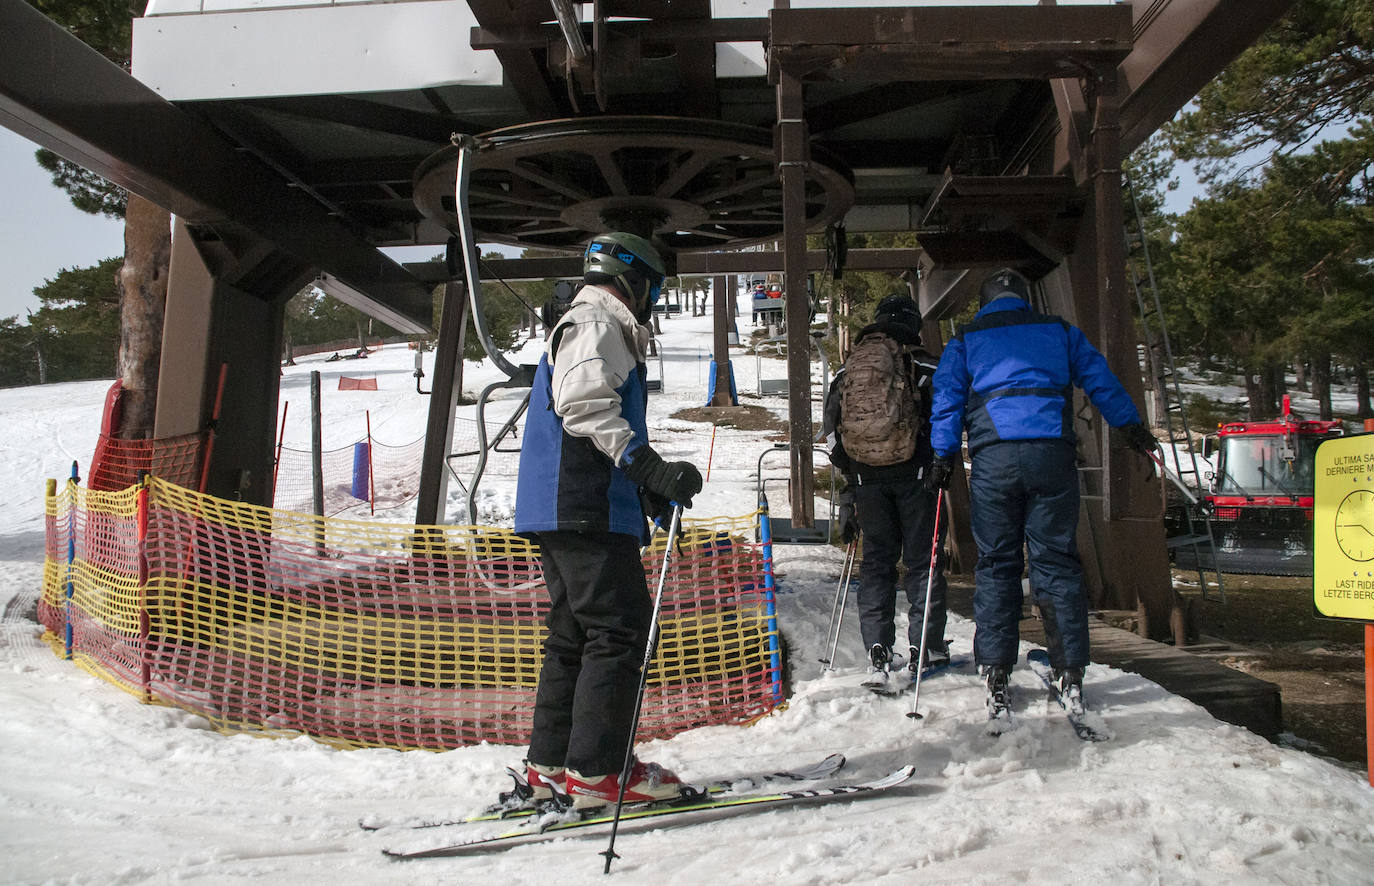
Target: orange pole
x=1369 y=702
x=1369 y=681
x=210 y=434
x=711 y=452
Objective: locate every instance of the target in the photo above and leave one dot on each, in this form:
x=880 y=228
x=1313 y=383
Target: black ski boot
x=878 y=678
x=998 y=700
x=1069 y=684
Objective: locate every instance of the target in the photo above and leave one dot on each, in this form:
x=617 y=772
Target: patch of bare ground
x=745 y=418
x=1268 y=628
x=1318 y=663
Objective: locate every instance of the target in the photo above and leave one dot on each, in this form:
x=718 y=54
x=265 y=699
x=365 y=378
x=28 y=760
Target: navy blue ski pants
x=1025 y=492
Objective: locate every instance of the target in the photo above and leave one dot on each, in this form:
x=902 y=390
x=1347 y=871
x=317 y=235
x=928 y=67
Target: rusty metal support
x=723 y=297
x=444 y=391
x=792 y=159
x=1114 y=337
x=1127 y=534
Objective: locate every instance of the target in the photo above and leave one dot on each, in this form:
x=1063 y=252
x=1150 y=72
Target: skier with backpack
x=878 y=408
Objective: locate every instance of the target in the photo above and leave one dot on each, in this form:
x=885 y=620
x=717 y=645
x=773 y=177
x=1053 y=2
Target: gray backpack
x=880 y=421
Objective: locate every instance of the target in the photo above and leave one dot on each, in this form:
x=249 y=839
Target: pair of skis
x=1000 y=721
x=693 y=807
x=517 y=803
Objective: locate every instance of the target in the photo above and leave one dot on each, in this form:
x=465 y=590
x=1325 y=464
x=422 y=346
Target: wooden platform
x=1226 y=693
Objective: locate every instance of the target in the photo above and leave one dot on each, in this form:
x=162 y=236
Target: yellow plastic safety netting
x=374 y=634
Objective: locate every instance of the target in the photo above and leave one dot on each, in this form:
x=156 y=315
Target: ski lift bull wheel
x=695 y=184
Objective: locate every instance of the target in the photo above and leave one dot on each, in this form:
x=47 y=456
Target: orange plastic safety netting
x=373 y=634
x=118 y=464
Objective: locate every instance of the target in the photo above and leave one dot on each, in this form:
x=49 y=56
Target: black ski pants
x=598 y=627
x=897 y=519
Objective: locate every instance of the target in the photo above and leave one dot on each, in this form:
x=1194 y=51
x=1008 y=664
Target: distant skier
x=1008 y=378
x=584 y=462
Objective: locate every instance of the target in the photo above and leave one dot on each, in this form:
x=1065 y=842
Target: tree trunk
x=1321 y=385
x=142 y=283
x=42 y=359
x=1267 y=386
x=1254 y=393
x=1362 y=410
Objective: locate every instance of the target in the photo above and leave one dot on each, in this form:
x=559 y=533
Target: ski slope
x=99 y=789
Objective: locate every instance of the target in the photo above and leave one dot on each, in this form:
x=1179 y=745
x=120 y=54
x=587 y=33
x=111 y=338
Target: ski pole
x=832 y=635
x=925 y=612
x=649 y=649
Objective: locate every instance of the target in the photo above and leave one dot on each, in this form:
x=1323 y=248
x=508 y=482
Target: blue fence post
x=714 y=379
x=67 y=634
x=770 y=599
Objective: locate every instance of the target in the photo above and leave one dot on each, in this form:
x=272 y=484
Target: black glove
x=845 y=517
x=938 y=475
x=657 y=508
x=676 y=481
x=1139 y=438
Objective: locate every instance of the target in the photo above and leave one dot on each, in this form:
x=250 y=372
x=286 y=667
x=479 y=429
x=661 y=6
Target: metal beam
x=705 y=264
x=60 y=93
x=1179 y=46
x=445 y=387
x=947 y=43
x=523 y=73
x=720 y=30
x=791 y=139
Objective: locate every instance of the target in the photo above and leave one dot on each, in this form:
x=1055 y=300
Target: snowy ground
x=99 y=789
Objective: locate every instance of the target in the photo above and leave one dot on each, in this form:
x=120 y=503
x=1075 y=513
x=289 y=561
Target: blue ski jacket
x=587 y=410
x=1010 y=374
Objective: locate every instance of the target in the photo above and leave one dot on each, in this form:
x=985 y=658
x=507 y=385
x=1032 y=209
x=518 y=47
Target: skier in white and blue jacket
x=584 y=463
x=1008 y=378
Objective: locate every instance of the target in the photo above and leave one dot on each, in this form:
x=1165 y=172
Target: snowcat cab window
x=1258 y=466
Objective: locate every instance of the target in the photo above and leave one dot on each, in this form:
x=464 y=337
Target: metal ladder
x=1159 y=356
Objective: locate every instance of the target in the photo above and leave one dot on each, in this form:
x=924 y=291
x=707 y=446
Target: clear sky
x=40 y=231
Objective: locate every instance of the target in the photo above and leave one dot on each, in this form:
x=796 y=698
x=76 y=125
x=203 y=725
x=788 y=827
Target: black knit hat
x=898 y=308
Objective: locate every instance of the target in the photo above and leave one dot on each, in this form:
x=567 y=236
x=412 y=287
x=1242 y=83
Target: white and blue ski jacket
x=587 y=410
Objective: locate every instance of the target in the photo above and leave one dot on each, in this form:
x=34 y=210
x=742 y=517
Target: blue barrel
x=362 y=457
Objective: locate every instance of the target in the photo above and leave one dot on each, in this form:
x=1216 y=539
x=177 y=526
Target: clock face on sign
x=1355 y=525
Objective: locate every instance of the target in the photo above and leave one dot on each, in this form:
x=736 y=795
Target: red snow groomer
x=1260 y=503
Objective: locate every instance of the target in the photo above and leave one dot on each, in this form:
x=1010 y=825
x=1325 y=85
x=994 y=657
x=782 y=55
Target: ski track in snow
x=100 y=789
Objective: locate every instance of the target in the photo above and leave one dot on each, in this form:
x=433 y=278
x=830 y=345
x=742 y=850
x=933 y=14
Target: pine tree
x=107 y=27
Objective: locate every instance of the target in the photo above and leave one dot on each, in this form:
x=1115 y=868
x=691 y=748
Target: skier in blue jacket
x=1008 y=378
x=584 y=463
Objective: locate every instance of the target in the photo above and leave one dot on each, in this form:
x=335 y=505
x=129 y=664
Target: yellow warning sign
x=1343 y=529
